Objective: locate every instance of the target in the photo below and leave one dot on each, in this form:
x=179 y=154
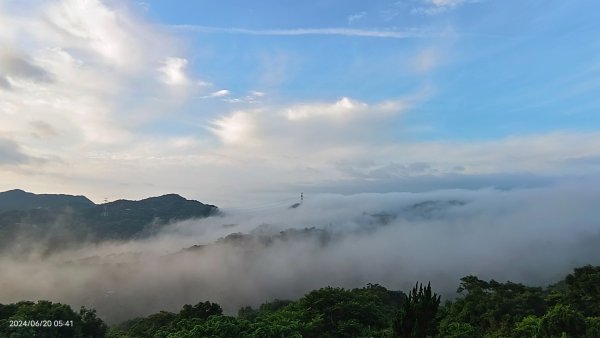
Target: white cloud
x=445 y=3
x=433 y=7
x=357 y=16
x=220 y=93
x=296 y=127
x=256 y=93
x=343 y=109
x=338 y=110
x=394 y=34
x=237 y=129
x=78 y=77
x=173 y=73
x=253 y=97
x=349 y=141
x=92 y=27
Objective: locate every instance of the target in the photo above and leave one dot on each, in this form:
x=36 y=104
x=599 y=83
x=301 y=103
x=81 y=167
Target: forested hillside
x=569 y=308
x=48 y=223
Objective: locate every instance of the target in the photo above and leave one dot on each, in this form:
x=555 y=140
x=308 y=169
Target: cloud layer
x=534 y=236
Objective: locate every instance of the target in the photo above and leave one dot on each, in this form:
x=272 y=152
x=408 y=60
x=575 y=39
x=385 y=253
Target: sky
x=241 y=103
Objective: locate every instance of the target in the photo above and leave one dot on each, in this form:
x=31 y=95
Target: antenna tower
x=105 y=211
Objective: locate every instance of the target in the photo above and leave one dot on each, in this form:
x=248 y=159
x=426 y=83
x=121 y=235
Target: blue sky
x=225 y=100
x=499 y=68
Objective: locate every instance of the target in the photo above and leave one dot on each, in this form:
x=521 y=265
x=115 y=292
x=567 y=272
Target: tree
x=457 y=330
x=248 y=313
x=583 y=290
x=91 y=325
x=494 y=307
x=39 y=313
x=417 y=313
x=216 y=326
x=592 y=327
x=202 y=310
x=284 y=323
x=527 y=328
x=337 y=312
x=562 y=319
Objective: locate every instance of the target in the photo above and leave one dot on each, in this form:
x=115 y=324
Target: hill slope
x=53 y=222
x=21 y=200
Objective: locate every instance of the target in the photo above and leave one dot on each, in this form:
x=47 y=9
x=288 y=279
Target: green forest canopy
x=569 y=308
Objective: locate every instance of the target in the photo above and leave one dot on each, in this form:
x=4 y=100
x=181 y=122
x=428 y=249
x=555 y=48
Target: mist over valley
x=246 y=257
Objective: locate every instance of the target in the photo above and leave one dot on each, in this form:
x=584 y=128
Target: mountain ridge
x=17 y=199
x=57 y=221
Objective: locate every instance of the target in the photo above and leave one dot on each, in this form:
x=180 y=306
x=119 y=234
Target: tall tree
x=417 y=313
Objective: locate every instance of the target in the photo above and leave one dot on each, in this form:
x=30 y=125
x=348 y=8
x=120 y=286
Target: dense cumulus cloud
x=246 y=257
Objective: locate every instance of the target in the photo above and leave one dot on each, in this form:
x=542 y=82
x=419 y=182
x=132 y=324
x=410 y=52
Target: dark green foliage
x=202 y=310
x=91 y=325
x=219 y=326
x=592 y=327
x=493 y=306
x=336 y=312
x=80 y=325
x=483 y=309
x=418 y=312
x=273 y=306
x=562 y=319
x=144 y=327
x=214 y=326
x=583 y=290
x=247 y=312
x=458 y=330
x=284 y=323
x=327 y=312
x=527 y=328
x=127 y=219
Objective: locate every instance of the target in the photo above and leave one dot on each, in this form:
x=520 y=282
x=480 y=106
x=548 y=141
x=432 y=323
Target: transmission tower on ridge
x=105 y=211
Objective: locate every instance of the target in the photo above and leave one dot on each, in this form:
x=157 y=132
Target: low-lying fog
x=535 y=236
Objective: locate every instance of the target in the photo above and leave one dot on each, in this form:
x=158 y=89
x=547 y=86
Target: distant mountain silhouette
x=53 y=222
x=21 y=200
x=130 y=218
